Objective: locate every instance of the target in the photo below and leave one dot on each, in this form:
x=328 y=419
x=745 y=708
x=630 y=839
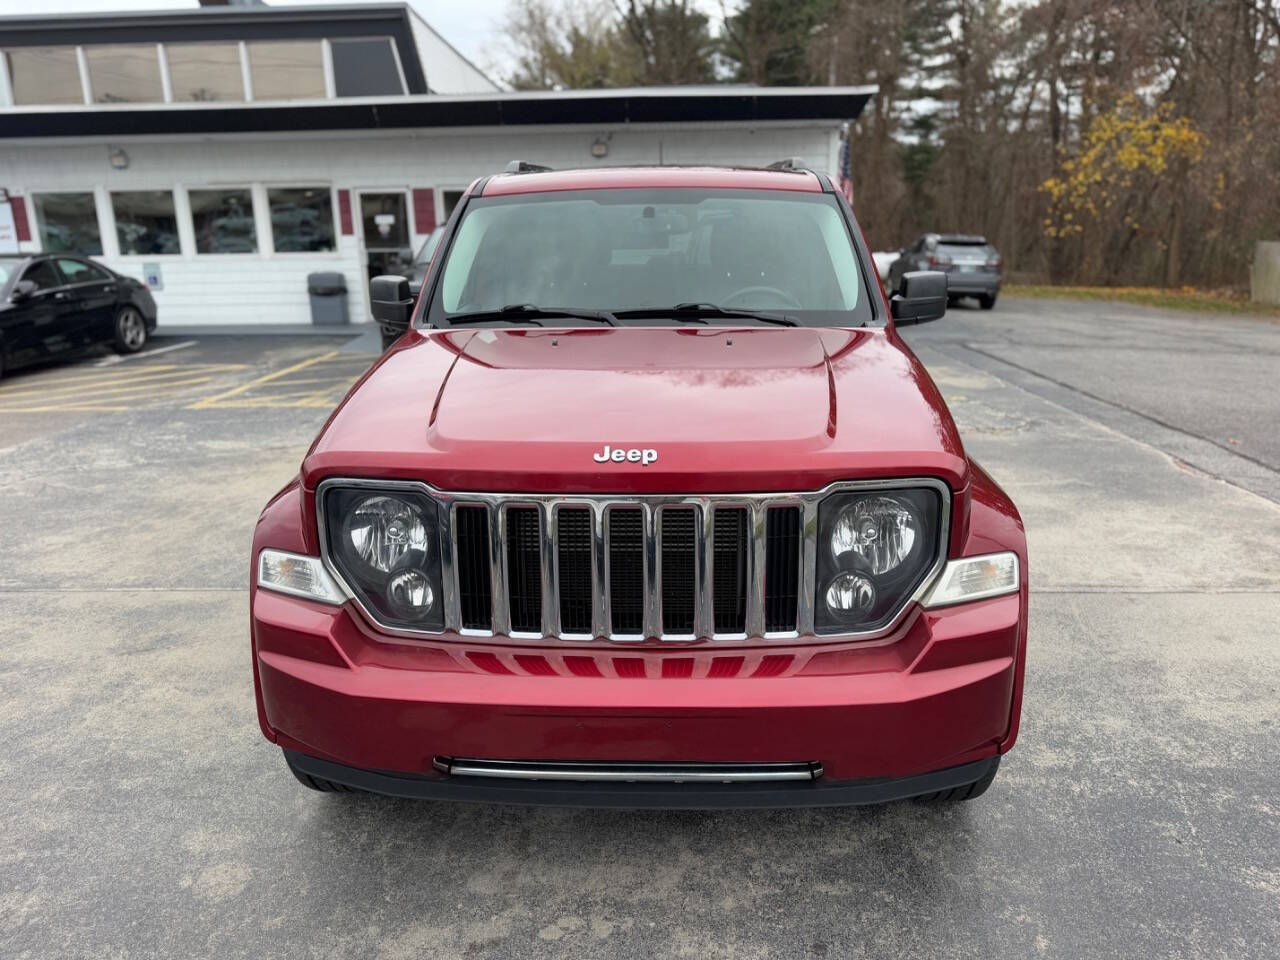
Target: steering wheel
x=787 y=299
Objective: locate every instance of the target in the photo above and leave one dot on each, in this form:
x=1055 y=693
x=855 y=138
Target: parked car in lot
x=54 y=303
x=651 y=506
x=971 y=264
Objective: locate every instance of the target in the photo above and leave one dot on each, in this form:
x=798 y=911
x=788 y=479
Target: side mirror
x=921 y=297
x=22 y=290
x=392 y=303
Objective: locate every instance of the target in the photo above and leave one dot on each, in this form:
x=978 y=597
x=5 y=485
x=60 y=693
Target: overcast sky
x=471 y=26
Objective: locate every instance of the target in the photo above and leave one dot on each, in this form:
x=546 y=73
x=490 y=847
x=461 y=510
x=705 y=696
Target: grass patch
x=1183 y=298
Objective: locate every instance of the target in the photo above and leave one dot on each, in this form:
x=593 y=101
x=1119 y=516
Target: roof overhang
x=662 y=105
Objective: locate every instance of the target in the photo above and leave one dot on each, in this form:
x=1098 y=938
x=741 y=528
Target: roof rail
x=789 y=163
x=524 y=166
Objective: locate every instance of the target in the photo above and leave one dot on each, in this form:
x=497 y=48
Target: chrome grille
x=672 y=567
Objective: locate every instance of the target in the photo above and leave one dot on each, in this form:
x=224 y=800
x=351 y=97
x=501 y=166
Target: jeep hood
x=727 y=410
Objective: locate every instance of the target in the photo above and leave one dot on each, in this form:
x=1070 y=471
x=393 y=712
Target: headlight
x=875 y=549
x=385 y=544
x=881 y=531
x=381 y=530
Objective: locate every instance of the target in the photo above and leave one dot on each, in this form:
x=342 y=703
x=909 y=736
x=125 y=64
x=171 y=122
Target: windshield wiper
x=526 y=312
x=694 y=312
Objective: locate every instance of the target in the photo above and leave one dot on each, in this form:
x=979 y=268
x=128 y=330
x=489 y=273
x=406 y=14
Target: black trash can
x=328 y=292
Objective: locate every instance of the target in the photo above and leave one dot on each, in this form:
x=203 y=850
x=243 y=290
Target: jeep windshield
x=652 y=257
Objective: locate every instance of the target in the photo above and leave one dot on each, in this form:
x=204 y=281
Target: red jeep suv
x=649 y=506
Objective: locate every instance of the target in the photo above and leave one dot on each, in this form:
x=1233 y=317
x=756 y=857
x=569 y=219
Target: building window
x=124 y=73
x=291 y=70
x=450 y=198
x=68 y=223
x=223 y=221
x=145 y=222
x=301 y=218
x=365 y=68
x=41 y=75
x=205 y=72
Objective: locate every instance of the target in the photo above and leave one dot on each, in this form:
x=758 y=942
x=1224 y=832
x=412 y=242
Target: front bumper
x=939 y=694
x=645 y=796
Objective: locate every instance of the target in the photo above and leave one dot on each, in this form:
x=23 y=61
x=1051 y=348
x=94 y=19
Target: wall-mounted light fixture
x=118 y=158
x=600 y=148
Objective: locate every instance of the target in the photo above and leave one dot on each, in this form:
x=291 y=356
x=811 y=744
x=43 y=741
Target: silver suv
x=971 y=264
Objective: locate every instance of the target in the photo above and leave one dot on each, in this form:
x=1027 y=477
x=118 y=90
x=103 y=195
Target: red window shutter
x=20 y=218
x=424 y=210
x=344 y=212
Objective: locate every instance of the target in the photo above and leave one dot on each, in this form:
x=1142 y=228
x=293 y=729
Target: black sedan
x=54 y=303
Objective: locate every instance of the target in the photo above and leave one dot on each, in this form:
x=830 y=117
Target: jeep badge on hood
x=635 y=455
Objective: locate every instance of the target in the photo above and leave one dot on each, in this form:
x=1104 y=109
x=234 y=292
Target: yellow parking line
x=246 y=387
x=291 y=382
x=111 y=374
x=106 y=386
x=131 y=395
x=65 y=409
x=277 y=401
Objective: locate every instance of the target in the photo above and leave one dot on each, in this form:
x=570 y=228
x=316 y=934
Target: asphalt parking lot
x=142 y=814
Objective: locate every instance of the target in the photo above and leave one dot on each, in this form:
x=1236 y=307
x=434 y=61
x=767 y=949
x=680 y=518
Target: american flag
x=846 y=167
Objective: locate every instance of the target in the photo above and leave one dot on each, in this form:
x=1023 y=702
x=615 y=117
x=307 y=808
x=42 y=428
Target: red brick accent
x=424 y=210
x=344 y=212
x=19 y=205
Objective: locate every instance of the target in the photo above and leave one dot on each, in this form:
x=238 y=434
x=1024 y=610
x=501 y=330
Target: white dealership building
x=223 y=154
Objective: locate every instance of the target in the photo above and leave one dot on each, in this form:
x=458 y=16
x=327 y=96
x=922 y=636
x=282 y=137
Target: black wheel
x=131 y=330
x=952 y=301
x=318 y=783
x=969 y=791
x=987 y=301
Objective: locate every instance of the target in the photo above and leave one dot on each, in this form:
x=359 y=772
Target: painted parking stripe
x=133 y=395
x=143 y=377
x=57 y=380
x=121 y=358
x=244 y=388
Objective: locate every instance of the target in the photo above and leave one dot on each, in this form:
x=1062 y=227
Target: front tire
x=131 y=330
x=987 y=301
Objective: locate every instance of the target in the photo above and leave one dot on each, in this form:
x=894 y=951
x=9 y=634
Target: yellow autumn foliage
x=1123 y=150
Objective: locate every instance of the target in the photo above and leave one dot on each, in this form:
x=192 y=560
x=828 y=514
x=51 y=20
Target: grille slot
x=782 y=568
x=729 y=570
x=475 y=597
x=679 y=569
x=524 y=570
x=573 y=528
x=626 y=569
